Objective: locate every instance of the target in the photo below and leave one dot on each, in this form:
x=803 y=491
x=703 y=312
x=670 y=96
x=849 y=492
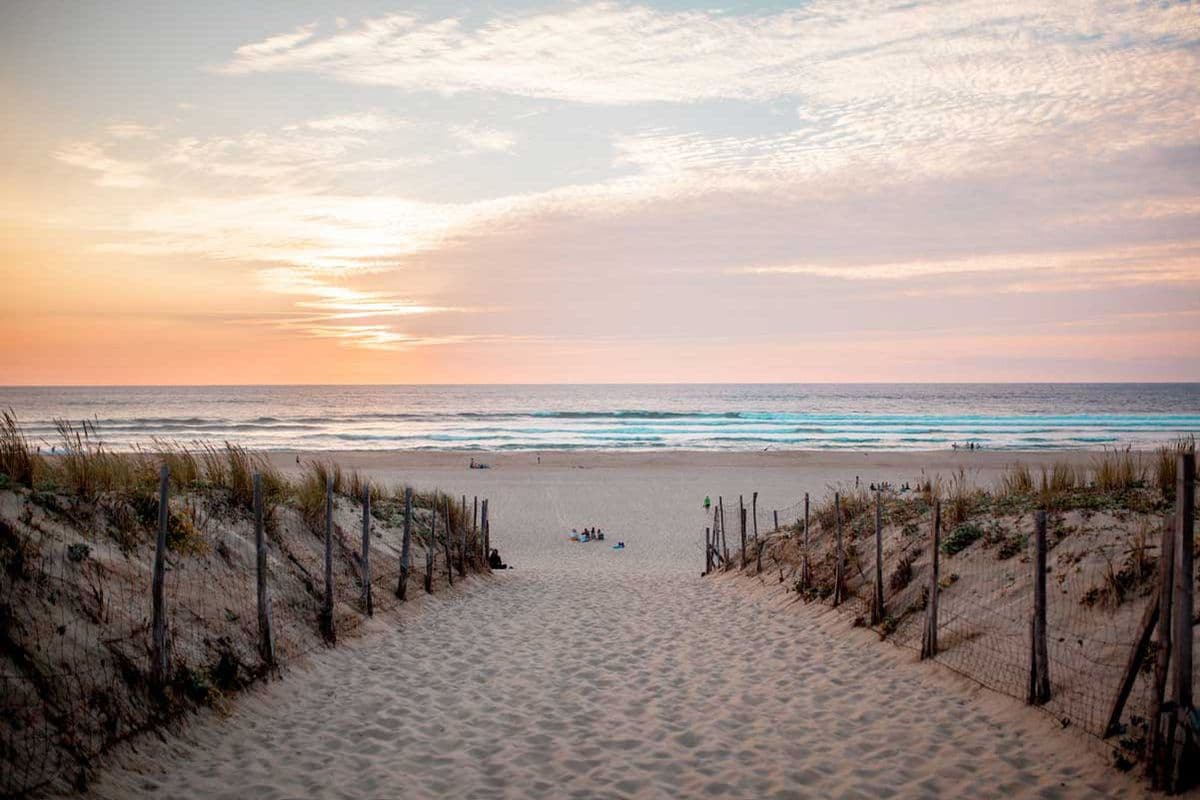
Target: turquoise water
x=624 y=417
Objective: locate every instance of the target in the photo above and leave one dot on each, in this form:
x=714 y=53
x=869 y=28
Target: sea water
x=622 y=417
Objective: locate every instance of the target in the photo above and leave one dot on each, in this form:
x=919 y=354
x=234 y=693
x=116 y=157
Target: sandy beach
x=589 y=672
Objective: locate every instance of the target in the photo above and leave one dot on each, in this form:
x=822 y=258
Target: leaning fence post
x=877 y=608
x=1039 y=672
x=429 y=554
x=1155 y=767
x=929 y=644
x=839 y=573
x=366 y=551
x=707 y=552
x=1183 y=726
x=327 y=607
x=158 y=663
x=266 y=641
x=405 y=547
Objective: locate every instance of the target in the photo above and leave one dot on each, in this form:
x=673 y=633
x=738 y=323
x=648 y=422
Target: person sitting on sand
x=600 y=536
x=494 y=560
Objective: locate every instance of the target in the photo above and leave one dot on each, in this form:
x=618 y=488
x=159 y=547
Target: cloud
x=357 y=122
x=482 y=139
x=114 y=172
x=132 y=130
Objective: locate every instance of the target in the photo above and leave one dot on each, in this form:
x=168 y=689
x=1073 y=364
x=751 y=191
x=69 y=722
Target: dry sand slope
x=593 y=673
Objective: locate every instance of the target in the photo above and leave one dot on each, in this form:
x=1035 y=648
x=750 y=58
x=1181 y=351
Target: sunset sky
x=572 y=192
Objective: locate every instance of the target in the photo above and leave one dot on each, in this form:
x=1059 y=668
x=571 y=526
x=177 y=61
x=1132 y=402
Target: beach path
x=572 y=685
x=592 y=673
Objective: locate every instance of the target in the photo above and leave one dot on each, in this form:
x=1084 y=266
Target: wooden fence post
x=462 y=538
x=775 y=513
x=429 y=548
x=366 y=551
x=266 y=640
x=929 y=644
x=475 y=526
x=1137 y=655
x=805 y=572
x=1039 y=667
x=754 y=515
x=759 y=546
x=839 y=571
x=158 y=661
x=742 y=514
x=878 y=611
x=327 y=628
x=1162 y=657
x=1182 y=740
x=724 y=541
x=707 y=552
x=405 y=547
x=447 y=535
x=487 y=534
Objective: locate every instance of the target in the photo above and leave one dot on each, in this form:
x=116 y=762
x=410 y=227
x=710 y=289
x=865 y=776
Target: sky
x=838 y=190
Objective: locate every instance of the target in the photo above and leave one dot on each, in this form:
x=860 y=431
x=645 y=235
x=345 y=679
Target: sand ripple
x=583 y=684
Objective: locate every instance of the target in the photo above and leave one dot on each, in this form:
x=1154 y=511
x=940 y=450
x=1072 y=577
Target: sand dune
x=587 y=672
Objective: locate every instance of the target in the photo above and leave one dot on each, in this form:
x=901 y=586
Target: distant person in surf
x=494 y=560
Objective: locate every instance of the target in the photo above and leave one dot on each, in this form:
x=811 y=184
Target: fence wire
x=1103 y=556
x=76 y=610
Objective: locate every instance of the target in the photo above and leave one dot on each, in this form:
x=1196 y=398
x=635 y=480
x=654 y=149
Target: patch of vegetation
x=962 y=537
x=902 y=575
x=78 y=552
x=1012 y=545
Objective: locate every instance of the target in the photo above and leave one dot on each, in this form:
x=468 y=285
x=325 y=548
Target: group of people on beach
x=588 y=535
x=967 y=446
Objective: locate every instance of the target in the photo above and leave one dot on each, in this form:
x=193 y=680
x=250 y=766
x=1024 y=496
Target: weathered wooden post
x=929 y=645
x=158 y=660
x=327 y=607
x=878 y=611
x=266 y=639
x=742 y=513
x=805 y=572
x=1183 y=740
x=487 y=534
x=708 y=553
x=1156 y=767
x=405 y=547
x=1039 y=669
x=366 y=551
x=759 y=546
x=754 y=514
x=839 y=573
x=724 y=541
x=447 y=535
x=775 y=514
x=429 y=548
x=462 y=538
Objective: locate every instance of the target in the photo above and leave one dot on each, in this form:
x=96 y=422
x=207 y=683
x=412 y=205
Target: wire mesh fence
x=1103 y=554
x=76 y=609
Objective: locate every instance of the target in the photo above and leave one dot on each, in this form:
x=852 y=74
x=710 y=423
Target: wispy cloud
x=357 y=122
x=114 y=172
x=482 y=139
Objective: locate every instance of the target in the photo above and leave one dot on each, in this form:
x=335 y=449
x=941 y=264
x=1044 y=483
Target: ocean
x=622 y=417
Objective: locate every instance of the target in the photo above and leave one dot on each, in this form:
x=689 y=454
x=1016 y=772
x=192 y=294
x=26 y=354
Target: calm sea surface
x=634 y=417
